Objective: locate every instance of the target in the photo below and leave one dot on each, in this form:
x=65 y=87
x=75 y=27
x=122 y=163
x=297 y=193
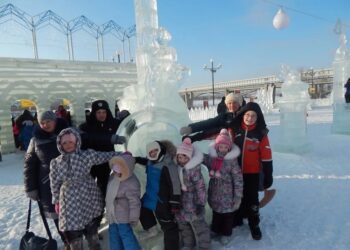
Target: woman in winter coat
x=225 y=184
x=42 y=149
x=123 y=203
x=191 y=216
x=210 y=128
x=256 y=158
x=77 y=199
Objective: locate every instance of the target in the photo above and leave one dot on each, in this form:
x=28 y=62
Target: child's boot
x=76 y=244
x=224 y=240
x=93 y=242
x=254 y=220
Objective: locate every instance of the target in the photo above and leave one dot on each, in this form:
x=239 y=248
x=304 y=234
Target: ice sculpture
x=341 y=68
x=293 y=113
x=157 y=110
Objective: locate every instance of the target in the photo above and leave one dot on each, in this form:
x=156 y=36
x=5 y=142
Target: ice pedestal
x=293 y=128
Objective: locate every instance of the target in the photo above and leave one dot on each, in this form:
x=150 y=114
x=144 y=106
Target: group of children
x=175 y=193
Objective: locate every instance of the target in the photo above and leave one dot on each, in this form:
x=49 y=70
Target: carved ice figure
x=293 y=114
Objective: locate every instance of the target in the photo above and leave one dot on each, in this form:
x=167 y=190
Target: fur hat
x=125 y=163
x=185 y=148
x=99 y=104
x=223 y=138
x=47 y=115
x=234 y=97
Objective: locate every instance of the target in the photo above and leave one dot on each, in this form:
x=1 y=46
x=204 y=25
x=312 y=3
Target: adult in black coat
x=99 y=133
x=208 y=129
x=41 y=150
x=347 y=92
x=222 y=106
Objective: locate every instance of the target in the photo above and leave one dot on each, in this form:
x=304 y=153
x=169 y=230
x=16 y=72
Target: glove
x=200 y=209
x=33 y=195
x=118 y=139
x=267 y=169
x=237 y=203
x=185 y=130
x=57 y=208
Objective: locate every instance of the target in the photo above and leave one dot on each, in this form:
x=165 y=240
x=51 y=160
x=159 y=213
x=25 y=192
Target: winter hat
x=47 y=115
x=99 y=104
x=125 y=164
x=152 y=146
x=223 y=138
x=185 y=148
x=234 y=97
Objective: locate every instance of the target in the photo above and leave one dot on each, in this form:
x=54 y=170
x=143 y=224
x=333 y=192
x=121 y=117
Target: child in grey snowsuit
x=123 y=203
x=225 y=185
x=191 y=217
x=77 y=199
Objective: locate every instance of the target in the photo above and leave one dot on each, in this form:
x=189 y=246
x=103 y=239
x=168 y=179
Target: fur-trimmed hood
x=232 y=154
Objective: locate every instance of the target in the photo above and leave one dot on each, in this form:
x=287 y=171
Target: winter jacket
x=163 y=184
x=254 y=144
x=193 y=193
x=41 y=150
x=73 y=187
x=224 y=190
x=123 y=195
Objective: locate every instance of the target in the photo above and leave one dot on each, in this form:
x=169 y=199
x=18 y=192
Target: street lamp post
x=212 y=69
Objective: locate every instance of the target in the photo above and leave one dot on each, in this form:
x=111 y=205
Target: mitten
x=200 y=209
x=267 y=169
x=33 y=195
x=118 y=139
x=185 y=130
x=57 y=208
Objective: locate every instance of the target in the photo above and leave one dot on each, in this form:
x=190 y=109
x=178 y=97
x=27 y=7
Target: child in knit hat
x=191 y=216
x=123 y=202
x=225 y=184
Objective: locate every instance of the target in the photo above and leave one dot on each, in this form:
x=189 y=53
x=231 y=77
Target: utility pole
x=213 y=70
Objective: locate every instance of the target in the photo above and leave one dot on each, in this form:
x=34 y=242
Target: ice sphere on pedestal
x=293 y=113
x=341 y=68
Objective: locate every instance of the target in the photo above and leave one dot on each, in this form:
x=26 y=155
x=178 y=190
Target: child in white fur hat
x=123 y=203
x=225 y=184
x=191 y=216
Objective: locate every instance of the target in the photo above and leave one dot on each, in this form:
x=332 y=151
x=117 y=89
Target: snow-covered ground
x=311 y=209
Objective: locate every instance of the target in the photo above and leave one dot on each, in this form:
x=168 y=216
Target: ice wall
x=157 y=110
x=293 y=114
x=341 y=68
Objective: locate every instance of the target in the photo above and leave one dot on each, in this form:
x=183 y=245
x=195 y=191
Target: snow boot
x=255 y=232
x=77 y=244
x=93 y=242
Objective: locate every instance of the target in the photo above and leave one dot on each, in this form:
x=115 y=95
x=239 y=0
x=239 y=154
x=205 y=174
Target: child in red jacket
x=251 y=137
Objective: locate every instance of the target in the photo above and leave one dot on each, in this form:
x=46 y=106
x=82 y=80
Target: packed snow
x=311 y=209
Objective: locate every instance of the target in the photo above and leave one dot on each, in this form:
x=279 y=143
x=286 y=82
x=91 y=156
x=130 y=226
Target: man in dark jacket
x=41 y=150
x=99 y=133
x=222 y=106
